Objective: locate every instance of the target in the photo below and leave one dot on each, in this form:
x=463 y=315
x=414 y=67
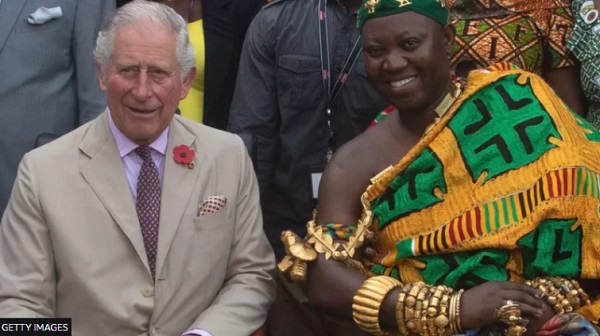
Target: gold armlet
x=564 y=295
x=299 y=252
x=367 y=302
x=324 y=243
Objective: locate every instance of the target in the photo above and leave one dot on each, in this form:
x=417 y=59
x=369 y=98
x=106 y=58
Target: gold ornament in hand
x=507 y=313
x=510 y=314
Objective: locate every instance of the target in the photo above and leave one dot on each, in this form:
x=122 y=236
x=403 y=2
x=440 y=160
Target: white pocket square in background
x=43 y=15
x=212 y=203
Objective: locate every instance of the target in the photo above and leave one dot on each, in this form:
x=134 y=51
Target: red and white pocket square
x=211 y=204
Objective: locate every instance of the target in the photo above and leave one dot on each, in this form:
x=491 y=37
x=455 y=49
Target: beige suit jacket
x=71 y=245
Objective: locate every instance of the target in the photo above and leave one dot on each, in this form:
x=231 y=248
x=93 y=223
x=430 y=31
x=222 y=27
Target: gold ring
x=509 y=314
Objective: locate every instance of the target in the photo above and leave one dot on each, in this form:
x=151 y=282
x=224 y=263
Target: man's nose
x=395 y=61
x=141 y=89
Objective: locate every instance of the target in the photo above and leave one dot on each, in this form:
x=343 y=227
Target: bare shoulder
x=354 y=159
x=368 y=154
x=347 y=176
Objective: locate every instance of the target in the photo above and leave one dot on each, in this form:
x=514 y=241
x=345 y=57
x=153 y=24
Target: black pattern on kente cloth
x=498 y=131
x=413 y=190
x=465 y=269
x=148 y=204
x=553 y=248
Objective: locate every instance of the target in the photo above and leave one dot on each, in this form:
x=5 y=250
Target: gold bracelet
x=433 y=309
x=564 y=295
x=434 y=302
x=415 y=324
x=409 y=304
x=400 y=310
x=451 y=314
x=442 y=321
x=585 y=299
x=367 y=302
x=424 y=326
x=400 y=314
x=455 y=325
x=458 y=297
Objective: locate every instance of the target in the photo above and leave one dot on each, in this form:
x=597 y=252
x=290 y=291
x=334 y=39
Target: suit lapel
x=106 y=176
x=178 y=185
x=10 y=11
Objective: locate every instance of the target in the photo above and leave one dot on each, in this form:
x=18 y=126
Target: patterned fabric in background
x=529 y=33
x=505 y=187
x=585 y=44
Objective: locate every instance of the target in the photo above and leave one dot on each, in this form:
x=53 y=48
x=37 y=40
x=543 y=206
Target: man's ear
x=449 y=35
x=187 y=82
x=101 y=76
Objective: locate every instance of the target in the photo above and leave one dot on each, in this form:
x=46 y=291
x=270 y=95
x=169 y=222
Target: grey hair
x=148 y=11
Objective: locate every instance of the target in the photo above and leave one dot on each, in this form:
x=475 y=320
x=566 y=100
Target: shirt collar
x=125 y=145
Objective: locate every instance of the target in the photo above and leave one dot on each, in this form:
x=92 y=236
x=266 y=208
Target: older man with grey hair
x=140 y=222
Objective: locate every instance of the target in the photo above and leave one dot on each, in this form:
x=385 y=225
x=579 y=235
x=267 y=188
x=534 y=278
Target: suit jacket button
x=148 y=291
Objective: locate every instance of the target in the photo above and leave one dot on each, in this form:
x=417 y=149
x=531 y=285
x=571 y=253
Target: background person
x=530 y=34
x=292 y=116
x=48 y=85
x=585 y=45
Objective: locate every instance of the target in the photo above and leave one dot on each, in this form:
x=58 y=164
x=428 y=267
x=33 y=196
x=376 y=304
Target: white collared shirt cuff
x=197 y=332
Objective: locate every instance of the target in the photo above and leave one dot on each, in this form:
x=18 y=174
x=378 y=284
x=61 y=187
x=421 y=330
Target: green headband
x=434 y=9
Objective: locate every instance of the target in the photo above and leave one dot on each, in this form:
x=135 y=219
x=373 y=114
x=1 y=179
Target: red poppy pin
x=183 y=154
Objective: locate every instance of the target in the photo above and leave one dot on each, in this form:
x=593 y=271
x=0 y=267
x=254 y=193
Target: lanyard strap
x=332 y=93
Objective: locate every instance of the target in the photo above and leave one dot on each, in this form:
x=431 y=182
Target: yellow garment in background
x=192 y=107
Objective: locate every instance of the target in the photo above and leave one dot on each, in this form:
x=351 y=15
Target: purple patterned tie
x=148 y=204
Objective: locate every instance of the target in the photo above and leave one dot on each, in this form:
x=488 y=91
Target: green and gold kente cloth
x=505 y=187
